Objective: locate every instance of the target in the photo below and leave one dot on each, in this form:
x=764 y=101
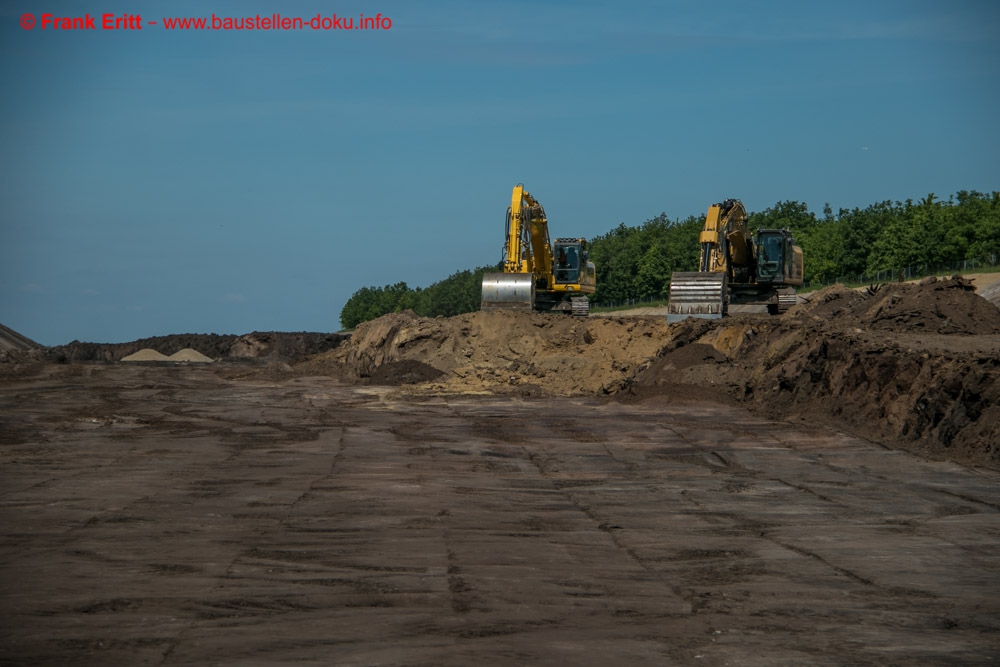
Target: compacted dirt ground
x=170 y=516
x=819 y=488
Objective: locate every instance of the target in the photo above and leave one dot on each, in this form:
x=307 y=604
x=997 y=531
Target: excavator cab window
x=567 y=264
x=770 y=256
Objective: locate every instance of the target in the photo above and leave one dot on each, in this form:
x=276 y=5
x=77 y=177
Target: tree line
x=635 y=263
x=458 y=293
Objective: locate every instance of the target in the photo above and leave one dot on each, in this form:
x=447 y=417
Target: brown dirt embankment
x=916 y=366
x=498 y=352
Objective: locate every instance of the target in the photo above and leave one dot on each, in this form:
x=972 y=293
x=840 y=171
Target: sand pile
x=501 y=352
x=189 y=355
x=146 y=354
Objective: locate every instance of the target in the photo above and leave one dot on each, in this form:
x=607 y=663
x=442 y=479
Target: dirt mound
x=690 y=355
x=189 y=355
x=504 y=352
x=146 y=354
x=408 y=371
x=939 y=306
x=18 y=349
x=11 y=341
x=911 y=365
x=275 y=346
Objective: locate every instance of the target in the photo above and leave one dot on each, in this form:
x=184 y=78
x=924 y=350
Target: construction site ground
x=818 y=488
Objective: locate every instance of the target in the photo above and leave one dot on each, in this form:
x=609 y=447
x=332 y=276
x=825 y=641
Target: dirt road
x=165 y=516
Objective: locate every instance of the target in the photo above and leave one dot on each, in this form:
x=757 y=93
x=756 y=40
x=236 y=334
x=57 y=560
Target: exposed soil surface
x=916 y=366
x=501 y=352
x=910 y=365
x=274 y=346
x=166 y=515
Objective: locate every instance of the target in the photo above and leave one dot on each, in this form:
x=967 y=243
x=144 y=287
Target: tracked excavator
x=537 y=274
x=736 y=267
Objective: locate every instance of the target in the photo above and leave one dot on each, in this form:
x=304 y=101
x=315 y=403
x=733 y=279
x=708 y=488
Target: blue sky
x=157 y=181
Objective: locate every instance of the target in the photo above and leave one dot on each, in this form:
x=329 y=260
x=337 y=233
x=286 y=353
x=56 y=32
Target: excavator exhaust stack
x=697 y=294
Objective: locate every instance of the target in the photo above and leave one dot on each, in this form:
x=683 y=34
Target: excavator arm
x=528 y=248
x=725 y=241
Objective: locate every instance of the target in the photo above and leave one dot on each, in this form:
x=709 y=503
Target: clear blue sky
x=157 y=182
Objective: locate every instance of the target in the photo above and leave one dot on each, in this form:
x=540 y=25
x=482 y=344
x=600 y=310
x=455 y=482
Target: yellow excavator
x=537 y=274
x=737 y=268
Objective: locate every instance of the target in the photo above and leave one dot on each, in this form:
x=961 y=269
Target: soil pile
x=911 y=365
x=15 y=347
x=189 y=355
x=940 y=306
x=501 y=352
x=274 y=346
x=914 y=365
x=146 y=354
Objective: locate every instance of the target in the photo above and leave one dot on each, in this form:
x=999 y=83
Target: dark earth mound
x=408 y=371
x=916 y=366
x=257 y=345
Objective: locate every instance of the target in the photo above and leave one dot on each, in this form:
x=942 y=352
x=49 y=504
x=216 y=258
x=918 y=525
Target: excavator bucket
x=508 y=291
x=697 y=294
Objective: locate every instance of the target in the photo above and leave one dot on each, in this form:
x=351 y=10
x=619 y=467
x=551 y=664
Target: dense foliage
x=636 y=262
x=458 y=293
x=891 y=236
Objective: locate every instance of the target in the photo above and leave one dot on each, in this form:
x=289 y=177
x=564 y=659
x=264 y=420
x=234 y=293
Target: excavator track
x=581 y=306
x=786 y=299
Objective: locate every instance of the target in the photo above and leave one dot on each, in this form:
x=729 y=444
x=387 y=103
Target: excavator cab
x=779 y=260
x=568 y=262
